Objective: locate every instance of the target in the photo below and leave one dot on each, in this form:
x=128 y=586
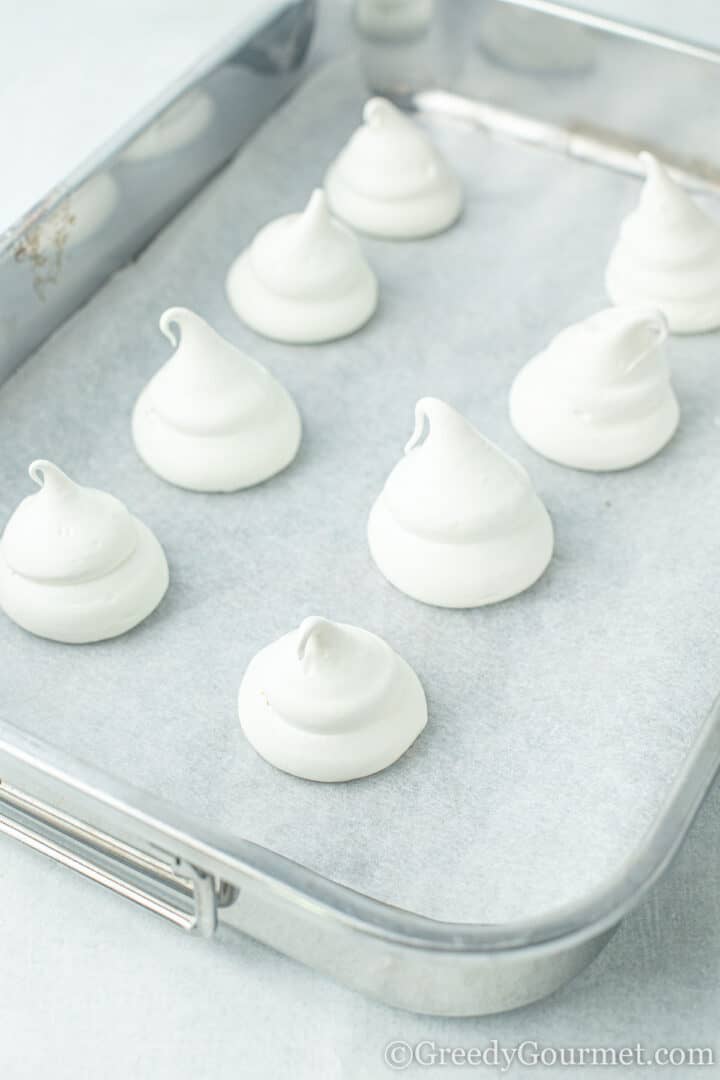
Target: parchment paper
x=557 y=719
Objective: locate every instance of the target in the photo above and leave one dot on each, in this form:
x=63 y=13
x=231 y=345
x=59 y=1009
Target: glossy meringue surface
x=303 y=279
x=75 y=565
x=458 y=523
x=330 y=702
x=667 y=255
x=212 y=418
x=599 y=396
x=390 y=181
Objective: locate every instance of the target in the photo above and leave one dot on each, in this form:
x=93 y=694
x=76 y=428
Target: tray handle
x=112 y=863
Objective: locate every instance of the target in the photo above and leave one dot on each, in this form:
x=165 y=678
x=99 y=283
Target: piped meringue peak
x=330 y=702
x=458 y=523
x=75 y=565
x=667 y=256
x=599 y=396
x=390 y=181
x=212 y=418
x=303 y=279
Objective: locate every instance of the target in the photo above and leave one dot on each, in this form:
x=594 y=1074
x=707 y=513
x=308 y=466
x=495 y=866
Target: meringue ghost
x=390 y=181
x=303 y=279
x=668 y=256
x=458 y=523
x=75 y=565
x=599 y=396
x=212 y=418
x=330 y=702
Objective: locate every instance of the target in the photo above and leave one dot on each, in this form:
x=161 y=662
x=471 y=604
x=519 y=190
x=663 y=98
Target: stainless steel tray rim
x=239 y=861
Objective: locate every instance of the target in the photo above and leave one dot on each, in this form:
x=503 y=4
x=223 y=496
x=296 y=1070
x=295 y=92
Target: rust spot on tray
x=43 y=248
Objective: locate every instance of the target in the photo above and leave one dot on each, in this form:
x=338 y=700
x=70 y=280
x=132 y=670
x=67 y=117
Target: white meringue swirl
x=458 y=523
x=303 y=279
x=75 y=565
x=599 y=396
x=390 y=181
x=212 y=418
x=668 y=256
x=330 y=702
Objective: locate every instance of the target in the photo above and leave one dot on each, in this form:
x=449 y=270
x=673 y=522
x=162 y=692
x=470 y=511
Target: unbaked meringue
x=458 y=523
x=668 y=256
x=599 y=396
x=75 y=565
x=330 y=702
x=390 y=181
x=303 y=279
x=212 y=418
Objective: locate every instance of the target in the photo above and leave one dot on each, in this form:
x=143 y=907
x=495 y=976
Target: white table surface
x=74 y=72
x=93 y=988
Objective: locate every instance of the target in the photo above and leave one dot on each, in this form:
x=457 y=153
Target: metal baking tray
x=572 y=735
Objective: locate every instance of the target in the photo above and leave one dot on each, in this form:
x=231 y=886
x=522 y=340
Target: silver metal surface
x=397 y=956
x=116 y=865
x=62 y=250
x=546 y=136
x=142 y=848
x=555 y=76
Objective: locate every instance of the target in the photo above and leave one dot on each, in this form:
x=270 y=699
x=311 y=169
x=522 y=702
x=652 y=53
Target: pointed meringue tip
x=620 y=337
x=49 y=477
x=428 y=410
x=660 y=321
x=175 y=316
x=377 y=111
x=317 y=205
x=629 y=322
x=307 y=629
x=649 y=162
x=662 y=190
x=656 y=171
x=314 y=218
x=652 y=318
x=432 y=403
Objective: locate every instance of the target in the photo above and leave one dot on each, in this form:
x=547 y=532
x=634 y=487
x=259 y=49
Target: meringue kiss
x=599 y=396
x=303 y=279
x=390 y=181
x=212 y=418
x=668 y=256
x=330 y=702
x=75 y=565
x=458 y=523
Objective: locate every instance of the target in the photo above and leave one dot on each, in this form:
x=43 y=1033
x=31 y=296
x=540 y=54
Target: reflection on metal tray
x=551 y=75
x=62 y=250
x=191 y=866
